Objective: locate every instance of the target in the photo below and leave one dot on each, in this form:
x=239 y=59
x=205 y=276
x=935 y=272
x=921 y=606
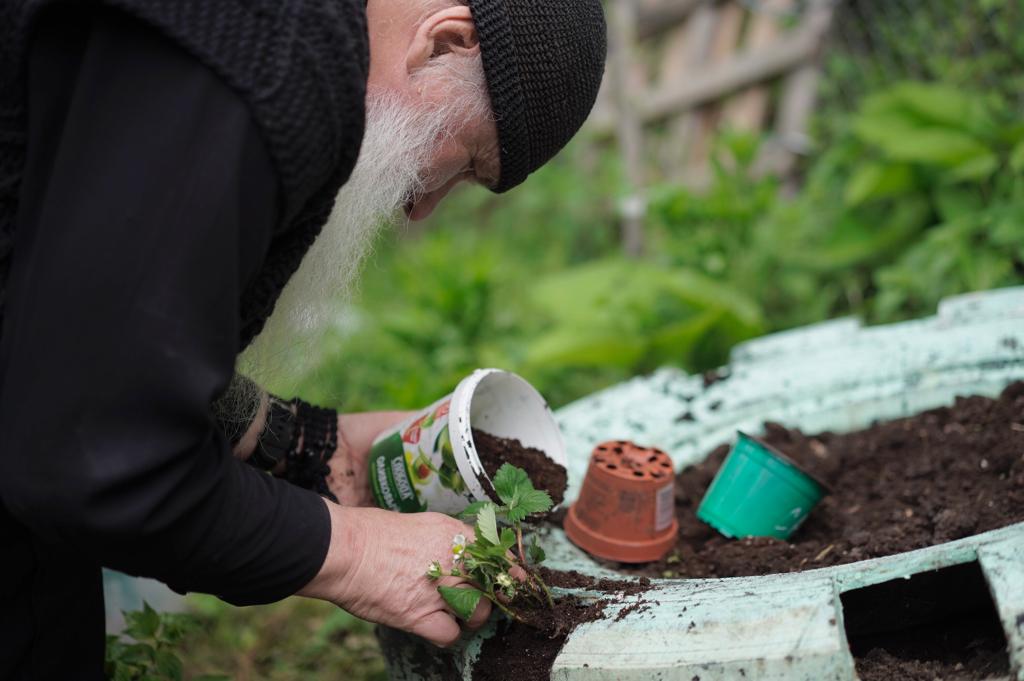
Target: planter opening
x=940 y=624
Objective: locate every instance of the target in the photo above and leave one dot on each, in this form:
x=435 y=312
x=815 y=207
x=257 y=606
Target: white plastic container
x=429 y=462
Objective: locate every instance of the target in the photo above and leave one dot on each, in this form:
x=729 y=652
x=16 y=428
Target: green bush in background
x=921 y=197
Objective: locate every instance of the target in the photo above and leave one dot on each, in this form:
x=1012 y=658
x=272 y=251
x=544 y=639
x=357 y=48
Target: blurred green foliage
x=150 y=647
x=533 y=282
x=921 y=196
x=977 y=45
x=294 y=640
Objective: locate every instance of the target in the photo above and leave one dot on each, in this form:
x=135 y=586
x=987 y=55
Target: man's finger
x=480 y=615
x=439 y=628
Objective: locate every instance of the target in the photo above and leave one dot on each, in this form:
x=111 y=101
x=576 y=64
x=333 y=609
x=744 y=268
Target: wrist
x=346 y=544
x=349 y=478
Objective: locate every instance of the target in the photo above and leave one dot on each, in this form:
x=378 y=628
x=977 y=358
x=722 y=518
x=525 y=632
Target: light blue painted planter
x=837 y=376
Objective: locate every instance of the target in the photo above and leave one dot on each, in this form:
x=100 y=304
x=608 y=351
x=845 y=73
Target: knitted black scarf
x=300 y=65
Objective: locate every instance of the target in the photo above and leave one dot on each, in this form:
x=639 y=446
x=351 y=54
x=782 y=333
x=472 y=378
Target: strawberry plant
x=496 y=563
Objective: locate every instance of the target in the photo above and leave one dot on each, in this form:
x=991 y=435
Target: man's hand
x=376 y=569
x=349 y=478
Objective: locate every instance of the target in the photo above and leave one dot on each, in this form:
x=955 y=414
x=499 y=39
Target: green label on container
x=414 y=469
x=389 y=476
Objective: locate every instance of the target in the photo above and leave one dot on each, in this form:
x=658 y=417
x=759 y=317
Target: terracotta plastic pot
x=626 y=508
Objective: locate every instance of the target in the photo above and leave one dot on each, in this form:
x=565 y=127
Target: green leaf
x=679 y=340
x=471 y=510
x=168 y=664
x=138 y=654
x=529 y=501
x=508 y=538
x=1017 y=158
x=175 y=626
x=625 y=294
x=596 y=348
x=873 y=181
x=495 y=553
x=932 y=146
x=487 y=524
x=509 y=480
x=515 y=489
x=142 y=624
x=1008 y=231
x=537 y=554
x=959 y=204
x=973 y=170
x=211 y=677
x=854 y=241
x=462 y=600
x=945 y=105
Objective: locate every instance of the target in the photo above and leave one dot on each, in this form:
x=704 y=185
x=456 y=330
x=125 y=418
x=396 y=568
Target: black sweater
x=300 y=66
x=148 y=204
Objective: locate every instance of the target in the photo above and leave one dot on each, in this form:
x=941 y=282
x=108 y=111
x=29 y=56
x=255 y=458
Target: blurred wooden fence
x=680 y=70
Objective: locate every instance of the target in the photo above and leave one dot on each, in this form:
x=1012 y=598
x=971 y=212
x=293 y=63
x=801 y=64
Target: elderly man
x=165 y=167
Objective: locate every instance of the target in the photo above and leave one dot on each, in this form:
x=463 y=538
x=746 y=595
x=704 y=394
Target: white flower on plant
x=434 y=571
x=504 y=580
x=458 y=546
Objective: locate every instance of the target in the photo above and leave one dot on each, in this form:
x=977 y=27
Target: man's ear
x=449 y=30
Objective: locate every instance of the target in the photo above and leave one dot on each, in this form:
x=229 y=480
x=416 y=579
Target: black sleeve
x=148 y=200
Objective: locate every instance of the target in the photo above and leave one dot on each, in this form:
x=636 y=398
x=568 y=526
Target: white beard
x=398 y=142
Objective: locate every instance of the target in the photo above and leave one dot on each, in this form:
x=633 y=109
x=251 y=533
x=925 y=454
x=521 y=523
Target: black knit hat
x=543 y=60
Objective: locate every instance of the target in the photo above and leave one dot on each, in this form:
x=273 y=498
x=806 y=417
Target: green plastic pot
x=759 y=492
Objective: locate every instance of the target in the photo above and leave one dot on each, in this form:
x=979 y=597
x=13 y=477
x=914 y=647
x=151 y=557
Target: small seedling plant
x=495 y=563
x=146 y=651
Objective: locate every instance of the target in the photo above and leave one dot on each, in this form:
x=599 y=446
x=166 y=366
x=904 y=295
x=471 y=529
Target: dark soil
x=525 y=652
x=941 y=475
x=881 y=665
x=544 y=473
x=571 y=579
x=935 y=625
x=969 y=650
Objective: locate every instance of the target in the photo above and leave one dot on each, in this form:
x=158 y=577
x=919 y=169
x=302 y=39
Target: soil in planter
x=525 y=652
x=981 y=663
x=934 y=477
x=940 y=475
x=967 y=649
x=544 y=473
x=935 y=625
